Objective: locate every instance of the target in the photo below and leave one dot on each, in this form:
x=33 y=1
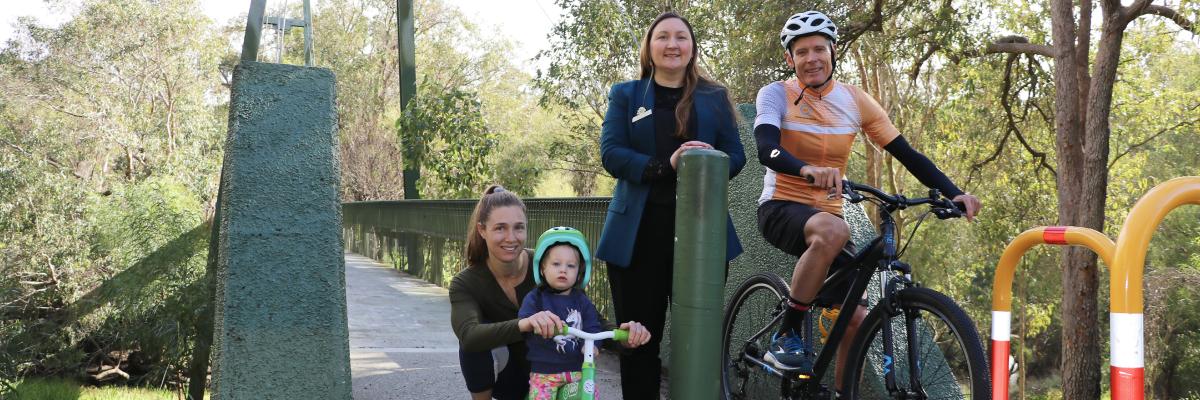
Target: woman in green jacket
x=485 y=298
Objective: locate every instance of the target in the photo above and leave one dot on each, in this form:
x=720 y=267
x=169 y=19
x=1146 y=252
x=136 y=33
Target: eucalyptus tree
x=1083 y=105
x=110 y=123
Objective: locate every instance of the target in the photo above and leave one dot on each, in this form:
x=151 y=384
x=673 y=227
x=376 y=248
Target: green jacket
x=482 y=316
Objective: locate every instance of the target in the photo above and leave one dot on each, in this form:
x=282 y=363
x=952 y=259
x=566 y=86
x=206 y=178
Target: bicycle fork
x=889 y=298
x=589 y=370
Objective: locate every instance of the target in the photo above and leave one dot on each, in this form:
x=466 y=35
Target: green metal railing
x=382 y=230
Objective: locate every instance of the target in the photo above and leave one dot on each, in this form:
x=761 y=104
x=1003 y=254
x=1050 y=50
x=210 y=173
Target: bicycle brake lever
x=942 y=213
x=854 y=196
x=945 y=212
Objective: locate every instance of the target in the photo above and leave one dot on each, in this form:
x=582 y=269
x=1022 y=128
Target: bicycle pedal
x=792 y=373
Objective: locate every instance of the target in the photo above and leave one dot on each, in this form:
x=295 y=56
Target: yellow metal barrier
x=1002 y=287
x=1126 y=341
x=1126 y=260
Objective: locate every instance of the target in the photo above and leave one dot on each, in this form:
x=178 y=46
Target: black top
x=481 y=314
x=659 y=173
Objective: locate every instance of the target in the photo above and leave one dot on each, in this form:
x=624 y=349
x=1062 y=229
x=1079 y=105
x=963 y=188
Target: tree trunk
x=129 y=159
x=874 y=157
x=1082 y=47
x=1067 y=125
x=1082 y=106
x=1080 y=340
x=1081 y=350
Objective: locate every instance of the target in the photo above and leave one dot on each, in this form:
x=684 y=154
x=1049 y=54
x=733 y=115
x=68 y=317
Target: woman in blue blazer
x=649 y=123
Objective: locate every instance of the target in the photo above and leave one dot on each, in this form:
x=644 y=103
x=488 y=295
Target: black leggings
x=479 y=371
x=641 y=292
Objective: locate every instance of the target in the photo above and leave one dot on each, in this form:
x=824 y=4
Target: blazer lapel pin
x=642 y=112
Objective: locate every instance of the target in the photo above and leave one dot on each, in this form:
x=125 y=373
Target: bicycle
x=934 y=351
x=586 y=388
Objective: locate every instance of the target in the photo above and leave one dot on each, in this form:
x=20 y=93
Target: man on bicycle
x=805 y=128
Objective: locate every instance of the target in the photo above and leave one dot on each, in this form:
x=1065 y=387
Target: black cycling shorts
x=782 y=222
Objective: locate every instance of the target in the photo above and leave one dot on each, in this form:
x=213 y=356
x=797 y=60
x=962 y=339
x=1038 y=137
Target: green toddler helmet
x=568 y=235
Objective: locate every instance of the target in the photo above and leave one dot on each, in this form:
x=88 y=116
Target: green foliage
x=358 y=42
x=152 y=243
x=594 y=46
x=157 y=231
x=110 y=140
x=448 y=140
x=517 y=170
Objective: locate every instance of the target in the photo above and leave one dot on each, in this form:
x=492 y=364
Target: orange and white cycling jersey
x=819 y=130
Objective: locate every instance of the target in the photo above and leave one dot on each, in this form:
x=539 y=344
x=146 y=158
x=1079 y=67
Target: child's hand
x=638 y=334
x=544 y=324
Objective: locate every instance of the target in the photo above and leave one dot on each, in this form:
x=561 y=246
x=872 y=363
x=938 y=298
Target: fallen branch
x=107 y=374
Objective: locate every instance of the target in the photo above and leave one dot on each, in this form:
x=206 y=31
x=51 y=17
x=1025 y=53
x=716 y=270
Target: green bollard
x=702 y=203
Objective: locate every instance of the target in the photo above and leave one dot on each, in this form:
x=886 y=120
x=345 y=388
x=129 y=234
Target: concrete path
x=401 y=344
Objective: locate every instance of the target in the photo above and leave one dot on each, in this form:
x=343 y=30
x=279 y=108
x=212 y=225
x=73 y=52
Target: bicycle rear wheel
x=936 y=354
x=755 y=303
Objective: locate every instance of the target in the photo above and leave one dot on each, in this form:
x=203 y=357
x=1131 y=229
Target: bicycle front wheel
x=935 y=352
x=746 y=333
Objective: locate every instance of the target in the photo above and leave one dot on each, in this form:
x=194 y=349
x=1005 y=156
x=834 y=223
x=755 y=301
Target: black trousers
x=478 y=369
x=641 y=292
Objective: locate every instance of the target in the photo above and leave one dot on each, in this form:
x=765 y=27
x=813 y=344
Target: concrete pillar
x=280 y=323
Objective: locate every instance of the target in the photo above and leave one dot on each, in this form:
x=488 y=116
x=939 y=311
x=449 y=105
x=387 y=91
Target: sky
x=525 y=22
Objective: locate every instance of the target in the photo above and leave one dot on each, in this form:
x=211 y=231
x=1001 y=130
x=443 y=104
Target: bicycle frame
x=588 y=371
x=878 y=256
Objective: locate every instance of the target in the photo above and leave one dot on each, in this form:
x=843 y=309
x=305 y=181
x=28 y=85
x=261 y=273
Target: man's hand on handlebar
x=966 y=205
x=972 y=205
x=824 y=177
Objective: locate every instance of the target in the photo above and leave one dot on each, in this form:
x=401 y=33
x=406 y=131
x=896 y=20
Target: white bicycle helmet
x=807 y=23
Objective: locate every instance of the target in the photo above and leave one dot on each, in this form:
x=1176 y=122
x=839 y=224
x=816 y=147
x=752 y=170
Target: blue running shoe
x=790 y=353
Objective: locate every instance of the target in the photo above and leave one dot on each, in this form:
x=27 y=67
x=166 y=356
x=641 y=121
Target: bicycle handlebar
x=942 y=207
x=619 y=335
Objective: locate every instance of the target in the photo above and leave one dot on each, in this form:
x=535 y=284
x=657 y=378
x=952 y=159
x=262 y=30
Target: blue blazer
x=626 y=147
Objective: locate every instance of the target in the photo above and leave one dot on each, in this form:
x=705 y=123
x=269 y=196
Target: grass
x=62 y=389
